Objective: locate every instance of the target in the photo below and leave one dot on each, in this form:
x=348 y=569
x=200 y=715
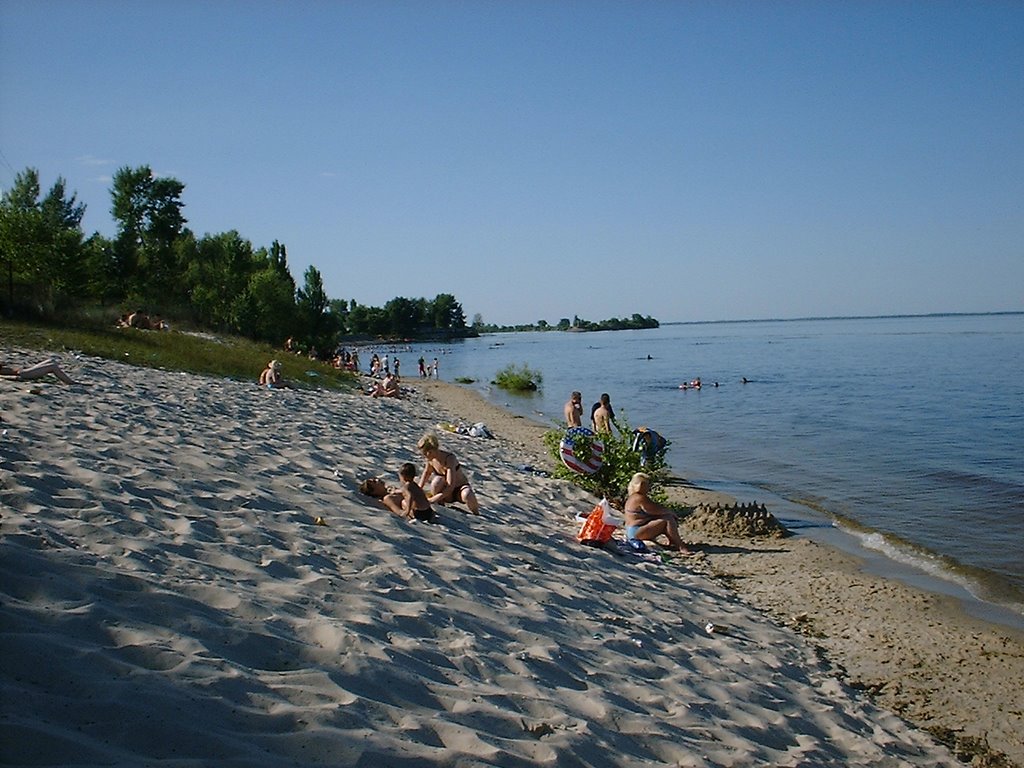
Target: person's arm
x=654 y=509
x=451 y=465
x=428 y=470
x=612 y=422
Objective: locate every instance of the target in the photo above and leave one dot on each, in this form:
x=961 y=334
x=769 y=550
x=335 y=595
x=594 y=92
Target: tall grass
x=208 y=354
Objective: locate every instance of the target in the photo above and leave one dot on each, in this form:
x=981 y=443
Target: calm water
x=907 y=432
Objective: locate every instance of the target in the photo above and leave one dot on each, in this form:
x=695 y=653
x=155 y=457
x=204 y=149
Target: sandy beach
x=190 y=577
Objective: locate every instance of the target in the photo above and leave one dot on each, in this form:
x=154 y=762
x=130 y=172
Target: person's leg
x=651 y=530
x=469 y=499
x=672 y=531
x=39 y=370
x=393 y=501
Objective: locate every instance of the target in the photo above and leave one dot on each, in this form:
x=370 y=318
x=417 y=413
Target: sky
x=692 y=161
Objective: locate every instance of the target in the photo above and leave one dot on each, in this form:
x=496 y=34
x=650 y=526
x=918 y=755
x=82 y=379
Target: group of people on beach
x=602 y=415
x=645 y=518
x=442 y=481
x=143 y=322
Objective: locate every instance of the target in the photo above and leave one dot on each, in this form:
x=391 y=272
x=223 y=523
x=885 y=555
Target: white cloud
x=92 y=160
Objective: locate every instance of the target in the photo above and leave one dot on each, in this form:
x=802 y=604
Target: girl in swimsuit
x=646 y=519
x=449 y=481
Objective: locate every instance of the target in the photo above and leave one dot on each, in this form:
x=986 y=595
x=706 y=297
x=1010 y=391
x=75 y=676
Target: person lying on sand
x=646 y=520
x=449 y=480
x=37 y=371
x=409 y=501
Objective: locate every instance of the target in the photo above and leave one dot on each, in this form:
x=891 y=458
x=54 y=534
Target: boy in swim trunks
x=410 y=501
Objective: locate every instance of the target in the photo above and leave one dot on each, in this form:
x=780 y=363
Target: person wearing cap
x=271 y=376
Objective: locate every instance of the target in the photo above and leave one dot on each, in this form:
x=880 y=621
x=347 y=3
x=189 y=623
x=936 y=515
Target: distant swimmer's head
x=274 y=365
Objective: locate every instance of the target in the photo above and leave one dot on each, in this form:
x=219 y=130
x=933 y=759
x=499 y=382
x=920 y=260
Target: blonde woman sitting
x=443 y=478
x=646 y=520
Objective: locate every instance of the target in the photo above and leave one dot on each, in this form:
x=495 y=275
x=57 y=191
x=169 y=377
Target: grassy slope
x=225 y=356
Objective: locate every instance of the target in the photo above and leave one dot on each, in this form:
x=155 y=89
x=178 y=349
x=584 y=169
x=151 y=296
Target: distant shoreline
x=844 y=317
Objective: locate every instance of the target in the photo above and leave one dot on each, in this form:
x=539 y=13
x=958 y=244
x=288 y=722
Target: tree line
x=155 y=263
x=635 y=322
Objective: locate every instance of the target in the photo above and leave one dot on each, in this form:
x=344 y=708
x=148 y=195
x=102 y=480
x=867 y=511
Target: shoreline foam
x=168 y=597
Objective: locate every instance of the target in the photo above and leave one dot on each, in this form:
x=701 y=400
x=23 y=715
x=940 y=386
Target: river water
x=902 y=437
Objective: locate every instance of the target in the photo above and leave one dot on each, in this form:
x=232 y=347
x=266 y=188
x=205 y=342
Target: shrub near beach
x=518 y=378
x=620 y=463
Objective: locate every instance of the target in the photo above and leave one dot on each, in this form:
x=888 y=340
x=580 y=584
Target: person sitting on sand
x=37 y=371
x=646 y=520
x=449 y=480
x=414 y=504
x=409 y=501
x=271 y=376
x=387 y=388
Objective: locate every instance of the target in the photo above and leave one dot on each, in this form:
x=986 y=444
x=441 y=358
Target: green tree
x=316 y=324
x=265 y=310
x=148 y=211
x=446 y=314
x=41 y=243
x=404 y=316
x=216 y=272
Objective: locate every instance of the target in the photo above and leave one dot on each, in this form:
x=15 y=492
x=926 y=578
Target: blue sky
x=539 y=160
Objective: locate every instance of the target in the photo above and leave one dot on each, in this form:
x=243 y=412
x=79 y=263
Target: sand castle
x=737 y=520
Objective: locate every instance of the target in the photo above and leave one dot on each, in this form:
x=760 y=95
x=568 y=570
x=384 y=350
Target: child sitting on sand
x=409 y=501
x=271 y=376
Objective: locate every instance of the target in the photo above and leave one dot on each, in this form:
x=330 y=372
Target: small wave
x=980 y=584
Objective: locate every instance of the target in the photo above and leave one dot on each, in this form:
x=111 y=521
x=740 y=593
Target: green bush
x=518 y=378
x=621 y=462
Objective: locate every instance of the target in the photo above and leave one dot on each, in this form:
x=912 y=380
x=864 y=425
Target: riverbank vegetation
x=578 y=324
x=518 y=378
x=619 y=462
x=208 y=354
x=53 y=271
